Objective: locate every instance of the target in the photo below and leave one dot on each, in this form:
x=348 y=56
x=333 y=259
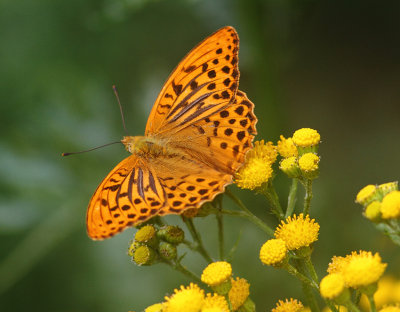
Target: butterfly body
x=197 y=135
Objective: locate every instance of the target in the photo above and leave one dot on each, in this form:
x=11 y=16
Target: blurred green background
x=329 y=65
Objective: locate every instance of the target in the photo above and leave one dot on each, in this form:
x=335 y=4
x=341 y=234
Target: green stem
x=268 y=190
x=308 y=196
x=252 y=218
x=331 y=306
x=179 y=267
x=304 y=279
x=372 y=303
x=247 y=214
x=220 y=223
x=307 y=290
x=292 y=198
x=196 y=237
x=352 y=307
x=311 y=269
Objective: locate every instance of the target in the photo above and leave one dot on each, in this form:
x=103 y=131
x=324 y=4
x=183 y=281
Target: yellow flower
x=273 y=252
x=388 y=187
x=253 y=173
x=366 y=195
x=144 y=255
x=291 y=305
x=158 y=307
x=308 y=164
x=265 y=151
x=286 y=147
x=145 y=233
x=290 y=167
x=337 y=264
x=298 y=231
x=392 y=308
x=332 y=286
x=216 y=273
x=189 y=299
x=215 y=303
x=239 y=292
x=385 y=294
x=363 y=269
x=306 y=137
x=390 y=207
x=373 y=211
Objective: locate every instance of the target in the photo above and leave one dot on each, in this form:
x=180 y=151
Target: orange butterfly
x=196 y=137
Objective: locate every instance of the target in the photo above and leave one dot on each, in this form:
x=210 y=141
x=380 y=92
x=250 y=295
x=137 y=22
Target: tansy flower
x=363 y=269
x=266 y=151
x=273 y=252
x=253 y=173
x=290 y=167
x=154 y=308
x=332 y=286
x=144 y=255
x=337 y=264
x=308 y=164
x=286 y=147
x=239 y=292
x=385 y=294
x=366 y=195
x=306 y=137
x=373 y=211
x=189 y=299
x=216 y=273
x=298 y=231
x=291 y=305
x=215 y=303
x=145 y=233
x=391 y=308
x=386 y=188
x=390 y=207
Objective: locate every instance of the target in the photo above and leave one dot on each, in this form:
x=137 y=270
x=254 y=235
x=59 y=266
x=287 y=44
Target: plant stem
x=291 y=198
x=220 y=223
x=196 y=237
x=372 y=303
x=268 y=190
x=179 y=267
x=304 y=279
x=311 y=269
x=311 y=300
x=252 y=218
x=352 y=307
x=308 y=196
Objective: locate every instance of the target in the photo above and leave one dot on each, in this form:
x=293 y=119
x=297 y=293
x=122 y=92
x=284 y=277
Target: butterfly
x=196 y=137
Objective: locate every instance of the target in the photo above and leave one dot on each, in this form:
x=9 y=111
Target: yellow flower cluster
x=299 y=154
x=193 y=299
x=257 y=168
x=380 y=201
x=357 y=270
x=273 y=252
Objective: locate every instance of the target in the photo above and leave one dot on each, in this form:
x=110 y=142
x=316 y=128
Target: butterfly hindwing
x=129 y=195
x=206 y=79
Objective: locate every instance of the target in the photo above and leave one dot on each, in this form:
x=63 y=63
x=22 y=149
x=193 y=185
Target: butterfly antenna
x=89 y=150
x=120 y=107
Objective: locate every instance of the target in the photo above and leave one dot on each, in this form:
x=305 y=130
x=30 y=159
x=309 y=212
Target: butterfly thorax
x=146 y=146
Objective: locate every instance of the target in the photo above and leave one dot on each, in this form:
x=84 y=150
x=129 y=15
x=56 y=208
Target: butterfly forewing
x=221 y=140
x=203 y=82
